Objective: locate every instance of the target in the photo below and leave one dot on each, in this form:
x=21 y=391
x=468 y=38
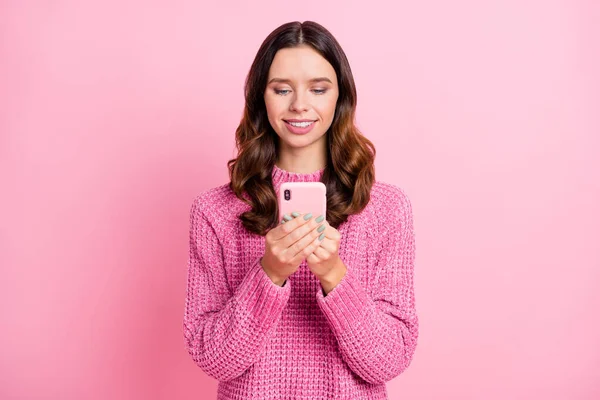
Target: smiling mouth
x=302 y=124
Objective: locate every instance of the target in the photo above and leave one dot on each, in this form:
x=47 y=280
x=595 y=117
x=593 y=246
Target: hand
x=288 y=244
x=325 y=263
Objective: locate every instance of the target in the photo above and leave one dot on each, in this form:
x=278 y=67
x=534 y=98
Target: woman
x=308 y=308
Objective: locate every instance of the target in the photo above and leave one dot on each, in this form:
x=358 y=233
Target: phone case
x=305 y=197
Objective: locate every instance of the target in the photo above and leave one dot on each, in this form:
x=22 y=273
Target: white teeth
x=301 y=124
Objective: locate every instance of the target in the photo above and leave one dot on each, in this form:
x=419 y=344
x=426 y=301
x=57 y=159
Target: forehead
x=300 y=63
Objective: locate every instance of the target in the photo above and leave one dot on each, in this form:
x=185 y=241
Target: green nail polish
x=295 y=214
x=283 y=221
x=319 y=218
x=287 y=217
x=321 y=236
x=321 y=228
x=307 y=216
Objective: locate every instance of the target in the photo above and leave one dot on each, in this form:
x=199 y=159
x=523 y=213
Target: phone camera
x=286 y=194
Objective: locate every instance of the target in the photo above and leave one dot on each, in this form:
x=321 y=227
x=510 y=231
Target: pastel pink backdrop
x=115 y=114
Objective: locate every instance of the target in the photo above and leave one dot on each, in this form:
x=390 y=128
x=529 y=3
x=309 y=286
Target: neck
x=280 y=175
x=305 y=160
x=303 y=169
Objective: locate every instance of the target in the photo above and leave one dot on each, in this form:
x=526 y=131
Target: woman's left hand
x=325 y=262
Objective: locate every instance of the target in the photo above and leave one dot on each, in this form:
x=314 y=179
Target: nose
x=299 y=102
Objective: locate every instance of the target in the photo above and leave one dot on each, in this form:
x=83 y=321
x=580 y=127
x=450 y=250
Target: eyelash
x=279 y=92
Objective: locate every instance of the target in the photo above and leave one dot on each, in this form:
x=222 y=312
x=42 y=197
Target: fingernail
x=295 y=214
x=307 y=216
x=283 y=221
x=321 y=228
x=287 y=217
x=321 y=236
x=319 y=218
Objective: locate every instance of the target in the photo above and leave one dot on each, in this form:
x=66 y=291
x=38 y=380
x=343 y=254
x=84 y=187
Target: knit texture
x=264 y=341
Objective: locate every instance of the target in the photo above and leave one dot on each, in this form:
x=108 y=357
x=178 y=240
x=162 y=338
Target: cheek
x=274 y=106
x=327 y=107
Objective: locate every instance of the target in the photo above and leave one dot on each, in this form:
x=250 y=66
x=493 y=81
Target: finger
x=288 y=224
x=321 y=252
x=307 y=245
x=312 y=258
x=327 y=242
x=328 y=245
x=290 y=216
x=301 y=230
x=332 y=235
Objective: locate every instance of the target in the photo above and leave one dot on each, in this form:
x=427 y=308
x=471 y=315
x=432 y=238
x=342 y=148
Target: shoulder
x=387 y=197
x=212 y=198
x=218 y=203
x=392 y=207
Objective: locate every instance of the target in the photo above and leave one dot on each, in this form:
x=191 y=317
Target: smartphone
x=302 y=197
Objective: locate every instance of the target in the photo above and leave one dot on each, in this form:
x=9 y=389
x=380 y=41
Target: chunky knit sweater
x=264 y=341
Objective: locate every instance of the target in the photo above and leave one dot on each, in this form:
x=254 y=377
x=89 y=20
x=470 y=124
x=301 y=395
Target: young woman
x=304 y=308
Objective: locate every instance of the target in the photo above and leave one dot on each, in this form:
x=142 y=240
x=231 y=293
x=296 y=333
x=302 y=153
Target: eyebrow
x=281 y=80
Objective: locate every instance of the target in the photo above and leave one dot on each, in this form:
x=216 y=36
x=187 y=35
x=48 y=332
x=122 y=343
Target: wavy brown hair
x=349 y=173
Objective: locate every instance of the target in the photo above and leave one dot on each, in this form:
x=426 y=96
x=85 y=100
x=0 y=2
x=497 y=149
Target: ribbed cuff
x=345 y=305
x=261 y=297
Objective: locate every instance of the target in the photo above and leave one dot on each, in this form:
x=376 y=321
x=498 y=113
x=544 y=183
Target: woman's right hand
x=288 y=244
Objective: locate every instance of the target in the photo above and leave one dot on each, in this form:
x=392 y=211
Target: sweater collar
x=279 y=176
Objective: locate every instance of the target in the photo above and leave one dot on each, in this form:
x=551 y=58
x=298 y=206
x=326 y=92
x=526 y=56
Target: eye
x=283 y=92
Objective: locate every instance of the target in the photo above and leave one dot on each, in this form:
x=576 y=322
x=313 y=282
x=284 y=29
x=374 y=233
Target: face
x=302 y=85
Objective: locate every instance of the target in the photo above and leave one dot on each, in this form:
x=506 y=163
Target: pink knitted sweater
x=264 y=341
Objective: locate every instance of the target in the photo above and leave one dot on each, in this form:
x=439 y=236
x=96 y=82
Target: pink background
x=115 y=114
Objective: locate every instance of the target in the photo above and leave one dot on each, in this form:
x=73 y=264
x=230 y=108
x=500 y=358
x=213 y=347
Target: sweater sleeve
x=225 y=330
x=377 y=335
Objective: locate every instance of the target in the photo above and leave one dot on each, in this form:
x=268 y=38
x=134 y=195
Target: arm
x=378 y=336
x=224 y=330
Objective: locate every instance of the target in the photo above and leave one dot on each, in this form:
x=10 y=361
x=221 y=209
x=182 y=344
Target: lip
x=297 y=130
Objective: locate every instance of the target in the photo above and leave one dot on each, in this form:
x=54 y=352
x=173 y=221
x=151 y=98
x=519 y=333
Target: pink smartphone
x=302 y=197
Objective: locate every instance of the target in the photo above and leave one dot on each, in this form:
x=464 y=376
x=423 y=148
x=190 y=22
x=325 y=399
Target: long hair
x=349 y=173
